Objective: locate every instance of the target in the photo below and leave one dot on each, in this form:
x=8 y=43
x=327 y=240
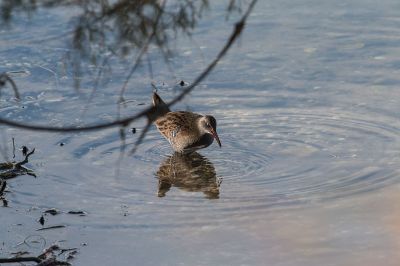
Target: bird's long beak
x=215 y=135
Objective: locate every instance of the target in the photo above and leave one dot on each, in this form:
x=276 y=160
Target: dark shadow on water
x=189 y=172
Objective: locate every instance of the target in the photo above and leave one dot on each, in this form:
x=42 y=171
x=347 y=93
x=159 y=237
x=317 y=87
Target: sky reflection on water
x=307 y=110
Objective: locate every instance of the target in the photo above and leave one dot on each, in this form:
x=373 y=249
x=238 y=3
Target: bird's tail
x=162 y=107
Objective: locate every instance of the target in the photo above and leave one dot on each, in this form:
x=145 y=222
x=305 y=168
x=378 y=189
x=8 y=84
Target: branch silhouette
x=151 y=112
x=4 y=78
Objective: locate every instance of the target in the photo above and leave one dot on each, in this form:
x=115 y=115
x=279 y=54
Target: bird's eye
x=208 y=125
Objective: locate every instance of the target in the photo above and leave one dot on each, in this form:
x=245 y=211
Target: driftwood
x=10 y=170
x=47 y=258
x=13 y=169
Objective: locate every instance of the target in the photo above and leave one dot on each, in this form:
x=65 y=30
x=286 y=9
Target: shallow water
x=308 y=116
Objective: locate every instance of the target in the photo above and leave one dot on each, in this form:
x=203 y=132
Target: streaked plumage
x=189 y=172
x=185 y=131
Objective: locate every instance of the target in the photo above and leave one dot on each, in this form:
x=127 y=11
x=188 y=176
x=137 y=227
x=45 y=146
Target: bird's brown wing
x=179 y=128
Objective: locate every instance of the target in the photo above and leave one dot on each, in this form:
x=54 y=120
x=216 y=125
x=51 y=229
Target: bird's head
x=208 y=124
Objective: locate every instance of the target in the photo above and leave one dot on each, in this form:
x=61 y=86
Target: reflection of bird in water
x=185 y=131
x=189 y=172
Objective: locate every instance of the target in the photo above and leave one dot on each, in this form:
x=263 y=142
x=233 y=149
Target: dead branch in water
x=17 y=165
x=13 y=169
x=47 y=258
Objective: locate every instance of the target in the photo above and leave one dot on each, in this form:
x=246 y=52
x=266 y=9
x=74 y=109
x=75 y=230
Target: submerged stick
x=20 y=259
x=51 y=227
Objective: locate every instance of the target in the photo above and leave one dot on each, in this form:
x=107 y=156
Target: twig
x=13 y=141
x=95 y=87
x=19 y=164
x=4 y=77
x=142 y=52
x=150 y=110
x=51 y=227
x=134 y=67
x=239 y=26
x=20 y=259
x=47 y=258
x=3 y=185
x=150 y=67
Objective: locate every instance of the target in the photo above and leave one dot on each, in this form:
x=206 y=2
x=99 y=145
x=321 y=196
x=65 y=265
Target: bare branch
x=25 y=160
x=4 y=78
x=95 y=86
x=239 y=26
x=142 y=52
x=47 y=258
x=13 y=142
x=149 y=112
x=20 y=259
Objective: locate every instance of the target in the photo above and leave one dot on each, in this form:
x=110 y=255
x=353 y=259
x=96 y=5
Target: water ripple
x=269 y=160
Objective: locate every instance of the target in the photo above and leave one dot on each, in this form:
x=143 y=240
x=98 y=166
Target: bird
x=185 y=131
x=189 y=172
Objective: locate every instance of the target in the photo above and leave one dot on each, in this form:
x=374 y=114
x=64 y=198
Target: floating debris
x=52 y=211
x=41 y=220
x=48 y=257
x=3 y=185
x=13 y=169
x=24 y=150
x=80 y=213
x=51 y=227
x=71 y=255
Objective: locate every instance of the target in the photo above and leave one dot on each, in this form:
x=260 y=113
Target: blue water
x=308 y=116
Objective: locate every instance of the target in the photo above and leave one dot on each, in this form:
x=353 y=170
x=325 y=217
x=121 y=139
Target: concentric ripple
x=302 y=157
x=270 y=159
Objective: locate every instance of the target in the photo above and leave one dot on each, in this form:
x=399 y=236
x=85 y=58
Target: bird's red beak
x=215 y=135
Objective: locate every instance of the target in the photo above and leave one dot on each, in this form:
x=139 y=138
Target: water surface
x=308 y=116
